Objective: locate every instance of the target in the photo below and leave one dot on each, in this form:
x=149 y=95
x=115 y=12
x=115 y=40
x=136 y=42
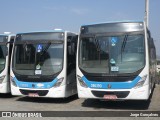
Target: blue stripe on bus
x=35 y=85
x=114 y=85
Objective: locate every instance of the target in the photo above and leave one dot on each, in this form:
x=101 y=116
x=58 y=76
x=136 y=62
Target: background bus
x=5 y=54
x=116 y=61
x=43 y=64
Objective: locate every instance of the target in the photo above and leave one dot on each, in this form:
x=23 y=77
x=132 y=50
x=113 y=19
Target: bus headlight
x=81 y=82
x=58 y=83
x=12 y=81
x=141 y=82
x=1 y=79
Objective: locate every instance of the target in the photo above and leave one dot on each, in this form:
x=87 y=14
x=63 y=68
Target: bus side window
x=71 y=52
x=69 y=45
x=153 y=56
x=74 y=41
x=10 y=51
x=72 y=44
x=11 y=45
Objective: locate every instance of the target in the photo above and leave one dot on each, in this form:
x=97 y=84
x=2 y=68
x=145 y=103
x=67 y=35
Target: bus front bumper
x=58 y=92
x=141 y=93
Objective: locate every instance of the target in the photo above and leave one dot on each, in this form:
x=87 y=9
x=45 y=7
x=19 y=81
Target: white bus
x=116 y=61
x=5 y=54
x=43 y=64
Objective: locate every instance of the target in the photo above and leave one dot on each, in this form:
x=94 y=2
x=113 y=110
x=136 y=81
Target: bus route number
x=96 y=85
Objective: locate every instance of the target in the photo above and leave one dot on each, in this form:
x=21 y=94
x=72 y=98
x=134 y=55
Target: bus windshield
x=44 y=58
x=119 y=54
x=3 y=50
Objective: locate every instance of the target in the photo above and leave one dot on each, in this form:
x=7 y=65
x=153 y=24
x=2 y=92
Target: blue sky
x=32 y=15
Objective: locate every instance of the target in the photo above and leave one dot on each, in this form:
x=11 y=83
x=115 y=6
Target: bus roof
x=7 y=34
x=43 y=31
x=123 y=21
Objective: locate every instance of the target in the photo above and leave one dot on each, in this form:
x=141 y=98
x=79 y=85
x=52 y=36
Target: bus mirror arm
x=10 y=42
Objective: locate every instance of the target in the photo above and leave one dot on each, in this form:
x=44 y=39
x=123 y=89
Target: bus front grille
x=39 y=92
x=119 y=94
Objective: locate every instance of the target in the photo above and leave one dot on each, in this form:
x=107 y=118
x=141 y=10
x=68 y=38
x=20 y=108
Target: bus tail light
x=1 y=79
x=12 y=81
x=58 y=83
x=81 y=82
x=141 y=82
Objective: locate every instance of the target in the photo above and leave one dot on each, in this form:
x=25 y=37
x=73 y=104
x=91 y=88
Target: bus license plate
x=33 y=95
x=110 y=97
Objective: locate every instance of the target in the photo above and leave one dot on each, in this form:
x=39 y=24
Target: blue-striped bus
x=44 y=63
x=116 y=61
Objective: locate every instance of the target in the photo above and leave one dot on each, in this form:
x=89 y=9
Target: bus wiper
x=123 y=45
x=97 y=47
x=24 y=46
x=26 y=52
x=46 y=48
x=97 y=44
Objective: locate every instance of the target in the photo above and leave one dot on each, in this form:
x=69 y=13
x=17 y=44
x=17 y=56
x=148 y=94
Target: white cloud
x=77 y=11
x=54 y=8
x=80 y=11
x=119 y=16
